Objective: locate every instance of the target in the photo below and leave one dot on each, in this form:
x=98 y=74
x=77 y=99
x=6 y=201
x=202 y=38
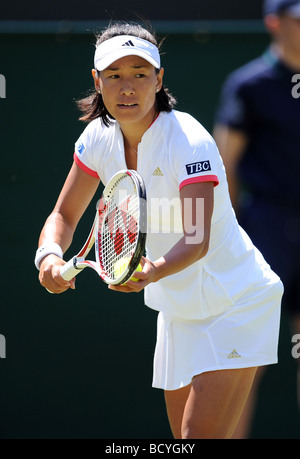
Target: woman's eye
x=116 y=76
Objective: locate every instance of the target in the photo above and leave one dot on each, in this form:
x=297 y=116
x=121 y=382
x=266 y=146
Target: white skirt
x=244 y=336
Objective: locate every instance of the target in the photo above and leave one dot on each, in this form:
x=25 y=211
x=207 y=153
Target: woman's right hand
x=50 y=277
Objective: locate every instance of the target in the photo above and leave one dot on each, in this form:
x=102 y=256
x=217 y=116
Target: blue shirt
x=257 y=99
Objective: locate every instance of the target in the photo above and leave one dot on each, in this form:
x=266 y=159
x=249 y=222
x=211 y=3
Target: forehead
x=129 y=62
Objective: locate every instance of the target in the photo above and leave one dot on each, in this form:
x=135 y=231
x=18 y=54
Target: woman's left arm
x=197 y=202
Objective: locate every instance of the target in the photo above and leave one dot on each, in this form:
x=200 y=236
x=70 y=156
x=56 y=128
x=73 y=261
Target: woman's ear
x=96 y=80
x=160 y=79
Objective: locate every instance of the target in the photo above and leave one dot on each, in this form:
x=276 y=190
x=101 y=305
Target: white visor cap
x=125 y=45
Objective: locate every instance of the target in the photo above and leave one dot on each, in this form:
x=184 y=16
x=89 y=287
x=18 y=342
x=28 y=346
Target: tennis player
x=218 y=300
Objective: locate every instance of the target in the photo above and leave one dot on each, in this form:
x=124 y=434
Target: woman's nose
x=127 y=89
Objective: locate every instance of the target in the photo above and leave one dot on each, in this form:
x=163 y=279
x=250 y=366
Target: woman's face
x=128 y=87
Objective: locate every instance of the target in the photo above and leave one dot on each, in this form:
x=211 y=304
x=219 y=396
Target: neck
x=133 y=132
x=132 y=145
x=288 y=56
x=132 y=138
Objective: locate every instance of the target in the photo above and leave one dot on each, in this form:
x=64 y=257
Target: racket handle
x=69 y=270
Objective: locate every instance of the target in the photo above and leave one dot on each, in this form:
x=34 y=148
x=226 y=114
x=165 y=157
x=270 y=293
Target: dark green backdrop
x=79 y=365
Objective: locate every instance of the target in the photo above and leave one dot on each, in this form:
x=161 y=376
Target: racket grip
x=68 y=270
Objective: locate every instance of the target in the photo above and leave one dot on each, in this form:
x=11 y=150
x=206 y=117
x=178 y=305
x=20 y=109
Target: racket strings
x=120 y=227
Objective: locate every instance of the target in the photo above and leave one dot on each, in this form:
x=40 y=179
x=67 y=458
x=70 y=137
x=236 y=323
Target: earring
x=99 y=92
x=156 y=90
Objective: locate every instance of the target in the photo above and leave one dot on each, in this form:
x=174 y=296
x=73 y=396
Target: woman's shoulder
x=96 y=130
x=94 y=137
x=98 y=127
x=186 y=126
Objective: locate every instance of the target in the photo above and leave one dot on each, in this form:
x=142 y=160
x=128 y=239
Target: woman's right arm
x=75 y=196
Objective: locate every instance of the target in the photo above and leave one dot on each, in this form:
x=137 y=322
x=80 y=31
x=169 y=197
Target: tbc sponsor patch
x=201 y=166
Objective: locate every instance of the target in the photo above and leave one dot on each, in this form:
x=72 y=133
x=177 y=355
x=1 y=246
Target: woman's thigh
x=210 y=407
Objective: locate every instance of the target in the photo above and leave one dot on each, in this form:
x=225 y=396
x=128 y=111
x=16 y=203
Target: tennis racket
x=118 y=231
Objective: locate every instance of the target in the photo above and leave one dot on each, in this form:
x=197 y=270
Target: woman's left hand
x=146 y=276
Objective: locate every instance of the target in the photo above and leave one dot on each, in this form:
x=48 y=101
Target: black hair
x=92 y=106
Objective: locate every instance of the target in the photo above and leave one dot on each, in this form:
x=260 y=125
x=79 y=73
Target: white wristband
x=45 y=250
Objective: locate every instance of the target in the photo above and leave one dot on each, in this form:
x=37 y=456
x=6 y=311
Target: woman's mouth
x=127 y=105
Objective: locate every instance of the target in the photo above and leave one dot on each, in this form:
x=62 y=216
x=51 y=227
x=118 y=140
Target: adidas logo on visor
x=128 y=43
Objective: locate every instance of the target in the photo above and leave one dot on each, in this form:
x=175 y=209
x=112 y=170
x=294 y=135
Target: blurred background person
x=257 y=130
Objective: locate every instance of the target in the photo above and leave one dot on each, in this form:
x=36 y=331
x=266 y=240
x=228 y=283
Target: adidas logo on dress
x=157 y=172
x=234 y=355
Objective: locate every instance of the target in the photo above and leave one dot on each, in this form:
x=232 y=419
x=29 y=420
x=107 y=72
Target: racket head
x=121 y=232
